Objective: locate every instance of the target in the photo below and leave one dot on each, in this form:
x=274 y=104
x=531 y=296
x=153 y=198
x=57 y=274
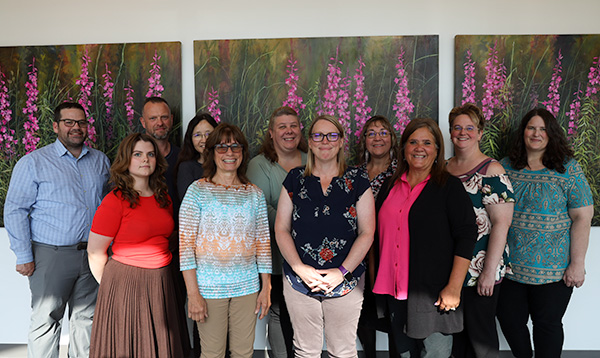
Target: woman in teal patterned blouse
x=490 y=191
x=548 y=237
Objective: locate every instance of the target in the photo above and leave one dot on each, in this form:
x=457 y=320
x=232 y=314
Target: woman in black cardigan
x=426 y=231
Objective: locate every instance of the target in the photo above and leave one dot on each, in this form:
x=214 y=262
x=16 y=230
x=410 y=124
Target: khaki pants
x=335 y=317
x=234 y=316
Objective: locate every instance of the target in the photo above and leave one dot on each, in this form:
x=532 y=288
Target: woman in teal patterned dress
x=491 y=193
x=548 y=237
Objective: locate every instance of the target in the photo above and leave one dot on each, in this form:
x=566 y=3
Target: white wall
x=38 y=22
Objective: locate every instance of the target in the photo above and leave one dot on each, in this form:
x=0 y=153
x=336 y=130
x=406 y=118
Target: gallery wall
x=84 y=22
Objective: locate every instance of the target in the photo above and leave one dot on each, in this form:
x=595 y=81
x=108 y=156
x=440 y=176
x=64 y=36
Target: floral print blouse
x=486 y=190
x=324 y=225
x=377 y=182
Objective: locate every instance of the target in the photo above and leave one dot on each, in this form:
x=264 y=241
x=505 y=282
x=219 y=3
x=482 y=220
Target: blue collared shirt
x=52 y=197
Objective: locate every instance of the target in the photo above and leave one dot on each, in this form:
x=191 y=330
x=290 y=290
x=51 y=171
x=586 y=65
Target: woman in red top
x=136 y=313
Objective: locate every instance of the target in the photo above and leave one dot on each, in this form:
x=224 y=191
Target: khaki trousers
x=335 y=317
x=234 y=316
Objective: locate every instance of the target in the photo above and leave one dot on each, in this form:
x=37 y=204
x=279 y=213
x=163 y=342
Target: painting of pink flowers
x=110 y=81
x=351 y=78
x=508 y=75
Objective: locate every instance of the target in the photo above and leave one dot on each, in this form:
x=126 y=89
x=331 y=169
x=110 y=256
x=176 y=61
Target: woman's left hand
x=448 y=300
x=263 y=302
x=574 y=275
x=331 y=279
x=485 y=284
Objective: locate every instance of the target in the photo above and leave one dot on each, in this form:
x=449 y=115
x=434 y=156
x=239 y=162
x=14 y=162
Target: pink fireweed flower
x=293 y=100
x=336 y=98
x=334 y=77
x=31 y=126
x=155 y=89
x=574 y=113
x=593 y=86
x=468 y=85
x=403 y=106
x=85 y=94
x=360 y=99
x=130 y=112
x=7 y=139
x=495 y=79
x=107 y=93
x=553 y=102
x=213 y=104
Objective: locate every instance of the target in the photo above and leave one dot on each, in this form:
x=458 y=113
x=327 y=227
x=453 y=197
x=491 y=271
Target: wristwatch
x=347 y=274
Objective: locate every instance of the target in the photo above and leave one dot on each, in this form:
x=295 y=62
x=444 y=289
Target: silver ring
x=453 y=309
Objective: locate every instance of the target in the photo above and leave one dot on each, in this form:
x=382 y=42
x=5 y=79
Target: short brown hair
x=470 y=110
x=267 y=147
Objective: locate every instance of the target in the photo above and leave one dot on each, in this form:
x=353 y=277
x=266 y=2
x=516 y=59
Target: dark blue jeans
x=546 y=304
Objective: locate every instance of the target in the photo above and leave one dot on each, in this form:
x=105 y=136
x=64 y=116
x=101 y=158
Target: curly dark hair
x=557 y=152
x=123 y=182
x=362 y=141
x=228 y=133
x=267 y=147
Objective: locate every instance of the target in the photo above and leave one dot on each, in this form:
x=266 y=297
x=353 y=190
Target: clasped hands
x=320 y=280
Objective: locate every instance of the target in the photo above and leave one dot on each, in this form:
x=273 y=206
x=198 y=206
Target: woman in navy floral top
x=324 y=228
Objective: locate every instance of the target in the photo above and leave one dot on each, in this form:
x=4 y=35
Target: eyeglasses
x=222 y=148
x=318 y=137
x=71 y=122
x=372 y=134
x=201 y=135
x=460 y=128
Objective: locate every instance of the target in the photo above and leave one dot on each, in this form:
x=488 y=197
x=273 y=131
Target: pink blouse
x=394 y=239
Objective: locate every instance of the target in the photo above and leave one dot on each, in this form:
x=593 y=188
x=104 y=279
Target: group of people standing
x=425 y=248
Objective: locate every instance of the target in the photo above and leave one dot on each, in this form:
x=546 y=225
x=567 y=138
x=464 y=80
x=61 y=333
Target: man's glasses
x=222 y=148
x=372 y=134
x=318 y=137
x=71 y=122
x=201 y=135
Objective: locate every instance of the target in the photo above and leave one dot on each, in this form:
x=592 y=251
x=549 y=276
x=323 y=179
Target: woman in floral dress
x=491 y=192
x=324 y=228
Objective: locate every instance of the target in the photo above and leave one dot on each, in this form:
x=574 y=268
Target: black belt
x=82 y=245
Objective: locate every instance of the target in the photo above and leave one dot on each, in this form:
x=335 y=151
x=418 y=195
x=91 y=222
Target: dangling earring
x=391 y=153
x=366 y=156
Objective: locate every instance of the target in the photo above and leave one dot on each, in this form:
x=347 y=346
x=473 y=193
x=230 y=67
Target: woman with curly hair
x=548 y=238
x=136 y=313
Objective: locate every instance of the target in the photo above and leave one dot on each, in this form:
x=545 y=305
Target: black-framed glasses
x=318 y=136
x=223 y=148
x=71 y=122
x=201 y=135
x=382 y=134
